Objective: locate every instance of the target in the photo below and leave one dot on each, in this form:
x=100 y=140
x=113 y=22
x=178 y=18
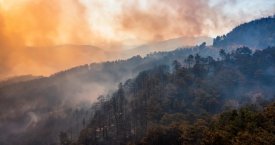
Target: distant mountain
x=89 y=53
x=255 y=34
x=36 y=110
x=67 y=56
x=62 y=54
x=168 y=45
x=18 y=79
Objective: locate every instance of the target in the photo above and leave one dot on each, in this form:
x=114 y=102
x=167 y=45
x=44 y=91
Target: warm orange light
x=30 y=29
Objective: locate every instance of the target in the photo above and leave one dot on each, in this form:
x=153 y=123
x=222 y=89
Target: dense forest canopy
x=178 y=105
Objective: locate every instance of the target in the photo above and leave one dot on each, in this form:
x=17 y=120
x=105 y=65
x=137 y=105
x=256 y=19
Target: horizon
x=30 y=30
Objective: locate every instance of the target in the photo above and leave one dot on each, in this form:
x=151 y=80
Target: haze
x=41 y=37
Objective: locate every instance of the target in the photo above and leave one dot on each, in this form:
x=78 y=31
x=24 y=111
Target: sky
x=30 y=30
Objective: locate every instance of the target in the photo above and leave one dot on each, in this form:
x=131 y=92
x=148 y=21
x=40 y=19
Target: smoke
x=45 y=23
x=30 y=29
x=28 y=23
x=156 y=20
x=167 y=19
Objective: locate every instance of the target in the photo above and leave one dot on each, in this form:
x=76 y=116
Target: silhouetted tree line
x=55 y=97
x=256 y=34
x=179 y=104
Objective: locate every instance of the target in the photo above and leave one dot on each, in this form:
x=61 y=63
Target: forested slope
x=35 y=111
x=178 y=104
x=258 y=34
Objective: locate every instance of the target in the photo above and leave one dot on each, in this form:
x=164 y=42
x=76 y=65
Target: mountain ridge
x=72 y=90
x=259 y=33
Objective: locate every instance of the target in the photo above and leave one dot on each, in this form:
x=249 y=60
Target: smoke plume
x=31 y=30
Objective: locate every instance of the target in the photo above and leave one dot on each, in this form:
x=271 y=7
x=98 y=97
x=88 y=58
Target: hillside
x=255 y=34
x=18 y=79
x=56 y=99
x=185 y=99
x=72 y=55
x=182 y=85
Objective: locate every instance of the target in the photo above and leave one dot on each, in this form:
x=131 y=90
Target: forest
x=229 y=100
x=219 y=94
x=255 y=34
x=59 y=102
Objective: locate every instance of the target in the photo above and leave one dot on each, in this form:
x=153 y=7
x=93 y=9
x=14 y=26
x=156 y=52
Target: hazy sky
x=29 y=28
x=135 y=19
